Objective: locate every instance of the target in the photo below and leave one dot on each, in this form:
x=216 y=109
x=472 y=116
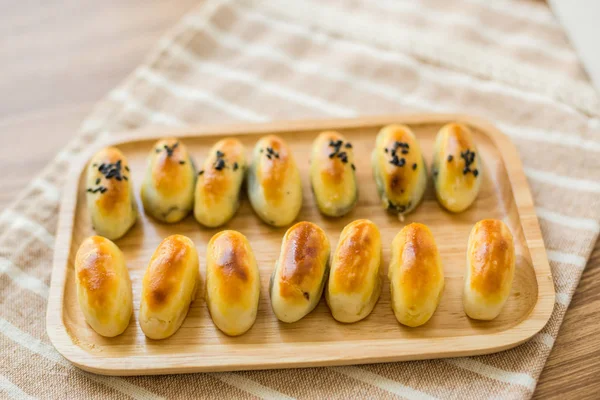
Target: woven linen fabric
x=254 y=61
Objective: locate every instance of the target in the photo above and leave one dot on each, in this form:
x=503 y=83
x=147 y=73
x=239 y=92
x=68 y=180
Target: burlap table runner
x=257 y=61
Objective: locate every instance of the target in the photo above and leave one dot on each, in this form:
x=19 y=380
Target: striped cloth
x=252 y=61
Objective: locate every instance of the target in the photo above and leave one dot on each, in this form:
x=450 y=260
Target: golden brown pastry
x=300 y=272
x=332 y=174
x=168 y=187
x=355 y=279
x=103 y=286
x=399 y=169
x=416 y=275
x=219 y=183
x=490 y=269
x=169 y=286
x=109 y=194
x=456 y=167
x=232 y=282
x=274 y=186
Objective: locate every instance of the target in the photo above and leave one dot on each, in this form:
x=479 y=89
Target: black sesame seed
x=118 y=178
x=89 y=190
x=126 y=168
x=414 y=166
x=332 y=155
x=306 y=295
x=338 y=143
x=220 y=154
x=348 y=145
x=402 y=162
x=466 y=171
x=157 y=150
x=94 y=165
x=269 y=156
x=235 y=166
x=404 y=151
x=181 y=162
x=101 y=167
x=353 y=167
x=342 y=154
x=475 y=173
x=450 y=157
x=386 y=150
x=126 y=178
x=200 y=172
x=331 y=143
x=97 y=181
x=260 y=151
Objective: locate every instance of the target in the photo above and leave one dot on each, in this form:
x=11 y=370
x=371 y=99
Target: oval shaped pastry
x=168 y=187
x=490 y=269
x=103 y=286
x=355 y=279
x=274 y=186
x=110 y=198
x=456 y=167
x=300 y=273
x=232 y=282
x=399 y=169
x=416 y=275
x=169 y=286
x=219 y=183
x=332 y=174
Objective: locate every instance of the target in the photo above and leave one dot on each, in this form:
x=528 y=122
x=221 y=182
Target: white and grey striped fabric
x=265 y=60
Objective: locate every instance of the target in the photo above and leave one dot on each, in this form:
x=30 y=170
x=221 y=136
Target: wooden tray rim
x=295 y=353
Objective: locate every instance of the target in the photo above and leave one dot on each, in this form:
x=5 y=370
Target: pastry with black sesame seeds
x=332 y=174
x=274 y=186
x=109 y=192
x=458 y=167
x=217 y=195
x=399 y=169
x=168 y=187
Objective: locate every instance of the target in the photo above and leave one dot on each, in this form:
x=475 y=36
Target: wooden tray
x=316 y=340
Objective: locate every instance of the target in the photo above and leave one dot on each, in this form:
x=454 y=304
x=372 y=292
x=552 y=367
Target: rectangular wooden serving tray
x=316 y=340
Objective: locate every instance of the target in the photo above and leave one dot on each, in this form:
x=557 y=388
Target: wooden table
x=59 y=57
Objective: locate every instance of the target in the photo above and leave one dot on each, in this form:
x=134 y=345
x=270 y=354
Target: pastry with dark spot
x=300 y=272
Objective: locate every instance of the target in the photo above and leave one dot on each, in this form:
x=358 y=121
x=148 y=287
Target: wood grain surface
x=55 y=77
x=199 y=346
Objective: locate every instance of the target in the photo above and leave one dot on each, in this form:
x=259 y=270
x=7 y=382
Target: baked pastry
x=490 y=269
x=416 y=275
x=300 y=273
x=103 y=286
x=219 y=182
x=399 y=169
x=232 y=282
x=168 y=186
x=332 y=174
x=355 y=279
x=274 y=186
x=456 y=167
x=110 y=198
x=169 y=286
